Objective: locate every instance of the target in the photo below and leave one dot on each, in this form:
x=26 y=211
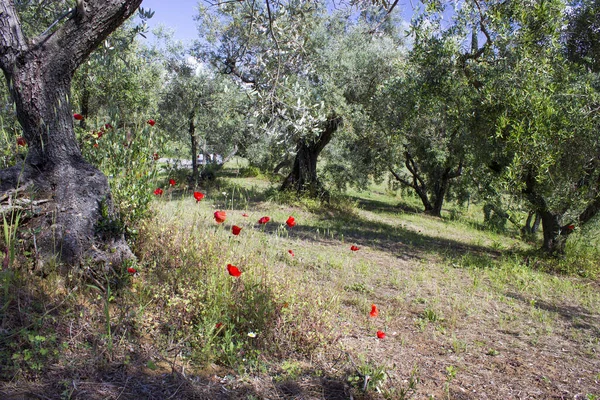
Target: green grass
x=452 y=297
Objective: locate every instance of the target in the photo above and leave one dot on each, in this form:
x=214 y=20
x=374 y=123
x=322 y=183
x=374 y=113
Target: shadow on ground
x=394 y=239
x=123 y=383
x=380 y=206
x=336 y=226
x=578 y=317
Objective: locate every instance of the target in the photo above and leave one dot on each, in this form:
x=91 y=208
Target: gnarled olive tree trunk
x=555 y=234
x=303 y=176
x=39 y=73
x=432 y=193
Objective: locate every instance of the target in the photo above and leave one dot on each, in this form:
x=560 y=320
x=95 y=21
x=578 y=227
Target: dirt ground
x=455 y=332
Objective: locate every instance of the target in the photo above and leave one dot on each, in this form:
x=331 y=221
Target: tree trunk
x=553 y=242
x=194 y=144
x=441 y=187
x=284 y=163
x=418 y=184
x=39 y=74
x=303 y=176
x=555 y=235
x=530 y=229
x=439 y=193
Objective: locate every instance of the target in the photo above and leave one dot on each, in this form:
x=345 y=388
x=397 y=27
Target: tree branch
x=400 y=179
x=233 y=70
x=91 y=24
x=331 y=126
x=475 y=55
x=384 y=17
x=456 y=173
x=411 y=165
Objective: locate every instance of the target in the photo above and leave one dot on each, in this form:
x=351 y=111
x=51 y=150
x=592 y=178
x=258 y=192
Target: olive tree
x=39 y=71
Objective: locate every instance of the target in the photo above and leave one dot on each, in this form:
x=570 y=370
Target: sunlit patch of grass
x=436 y=282
x=213 y=316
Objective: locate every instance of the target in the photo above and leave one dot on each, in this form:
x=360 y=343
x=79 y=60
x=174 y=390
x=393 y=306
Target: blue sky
x=175 y=14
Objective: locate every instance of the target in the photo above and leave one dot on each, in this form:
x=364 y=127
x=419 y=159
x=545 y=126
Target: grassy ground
x=467 y=314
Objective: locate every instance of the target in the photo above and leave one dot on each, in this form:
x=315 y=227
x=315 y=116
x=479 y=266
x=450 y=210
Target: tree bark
x=555 y=235
x=440 y=187
x=303 y=176
x=418 y=184
x=554 y=241
x=194 y=144
x=39 y=74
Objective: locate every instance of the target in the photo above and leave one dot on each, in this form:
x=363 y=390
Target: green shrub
x=127 y=154
x=250 y=172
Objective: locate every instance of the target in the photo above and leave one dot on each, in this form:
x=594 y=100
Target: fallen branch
x=8 y=194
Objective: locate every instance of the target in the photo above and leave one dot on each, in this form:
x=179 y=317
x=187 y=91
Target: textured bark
x=39 y=73
x=554 y=240
x=303 y=176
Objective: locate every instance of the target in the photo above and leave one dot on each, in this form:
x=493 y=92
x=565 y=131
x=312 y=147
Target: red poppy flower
x=21 y=141
x=245 y=215
x=354 y=248
x=131 y=270
x=100 y=133
x=155 y=156
x=233 y=270
x=291 y=222
x=264 y=220
x=291 y=252
x=374 y=311
x=236 y=230
x=220 y=216
x=151 y=122
x=198 y=196
x=571 y=227
x=218 y=325
x=158 y=192
x=95 y=145
x=78 y=117
x=172 y=182
x=108 y=126
x=380 y=335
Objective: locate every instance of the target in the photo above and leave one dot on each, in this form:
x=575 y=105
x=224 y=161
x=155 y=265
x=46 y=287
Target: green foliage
x=36 y=351
x=582 y=34
x=203 y=112
x=307 y=69
x=543 y=112
x=340 y=204
x=125 y=154
x=250 y=172
x=10 y=131
x=36 y=16
x=119 y=79
x=368 y=377
x=582 y=254
x=10 y=227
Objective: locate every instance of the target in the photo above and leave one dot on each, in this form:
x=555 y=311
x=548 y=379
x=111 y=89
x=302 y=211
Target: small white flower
x=252 y=334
